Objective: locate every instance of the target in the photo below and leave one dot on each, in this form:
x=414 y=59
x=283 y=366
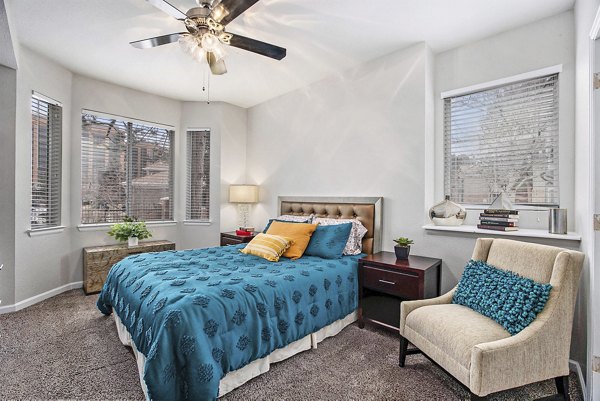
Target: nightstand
x=385 y=281
x=231 y=238
x=97 y=260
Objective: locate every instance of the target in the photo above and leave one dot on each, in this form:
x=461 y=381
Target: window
x=503 y=139
x=198 y=175
x=46 y=165
x=126 y=169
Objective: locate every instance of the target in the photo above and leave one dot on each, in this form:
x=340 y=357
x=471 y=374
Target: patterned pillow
x=354 y=243
x=299 y=233
x=269 y=247
x=509 y=299
x=329 y=241
x=299 y=219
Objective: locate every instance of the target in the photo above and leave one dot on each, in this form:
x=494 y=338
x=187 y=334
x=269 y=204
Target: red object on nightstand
x=242 y=232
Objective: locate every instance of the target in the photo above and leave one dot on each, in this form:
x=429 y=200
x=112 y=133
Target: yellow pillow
x=300 y=233
x=269 y=247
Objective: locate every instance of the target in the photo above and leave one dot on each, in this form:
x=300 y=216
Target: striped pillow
x=267 y=246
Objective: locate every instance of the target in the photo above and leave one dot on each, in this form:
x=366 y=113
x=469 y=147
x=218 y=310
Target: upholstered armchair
x=479 y=352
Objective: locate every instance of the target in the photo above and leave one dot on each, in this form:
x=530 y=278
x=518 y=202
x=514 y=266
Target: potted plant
x=402 y=247
x=130 y=230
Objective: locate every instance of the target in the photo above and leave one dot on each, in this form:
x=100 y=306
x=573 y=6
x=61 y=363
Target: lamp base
x=243 y=214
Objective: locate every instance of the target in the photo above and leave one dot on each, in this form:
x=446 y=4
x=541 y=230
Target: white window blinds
x=46 y=164
x=198 y=175
x=126 y=170
x=503 y=139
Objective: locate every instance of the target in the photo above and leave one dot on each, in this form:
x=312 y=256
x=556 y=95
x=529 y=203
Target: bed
x=202 y=322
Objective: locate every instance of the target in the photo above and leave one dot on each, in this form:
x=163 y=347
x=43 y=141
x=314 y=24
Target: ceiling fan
x=206 y=33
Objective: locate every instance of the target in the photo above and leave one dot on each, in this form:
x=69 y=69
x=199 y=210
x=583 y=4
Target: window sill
x=197 y=223
x=45 y=231
x=106 y=226
x=523 y=232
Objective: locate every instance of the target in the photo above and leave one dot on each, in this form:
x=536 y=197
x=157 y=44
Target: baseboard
x=575 y=367
x=39 y=298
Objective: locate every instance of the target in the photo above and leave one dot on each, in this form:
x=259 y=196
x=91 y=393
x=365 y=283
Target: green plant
x=129 y=228
x=403 y=241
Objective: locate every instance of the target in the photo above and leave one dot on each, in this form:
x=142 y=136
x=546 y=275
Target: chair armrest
x=408 y=306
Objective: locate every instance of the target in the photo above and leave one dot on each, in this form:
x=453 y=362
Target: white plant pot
x=132 y=241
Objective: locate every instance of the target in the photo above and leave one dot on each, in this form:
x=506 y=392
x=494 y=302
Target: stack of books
x=499 y=220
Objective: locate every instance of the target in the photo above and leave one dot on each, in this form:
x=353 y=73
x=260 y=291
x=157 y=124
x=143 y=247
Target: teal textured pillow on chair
x=329 y=241
x=509 y=299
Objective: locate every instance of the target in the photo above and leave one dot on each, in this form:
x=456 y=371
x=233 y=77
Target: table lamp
x=243 y=195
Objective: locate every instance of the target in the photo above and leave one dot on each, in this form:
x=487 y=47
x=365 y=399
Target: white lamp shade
x=243 y=193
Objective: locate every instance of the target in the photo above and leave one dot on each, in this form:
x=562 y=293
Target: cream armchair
x=479 y=352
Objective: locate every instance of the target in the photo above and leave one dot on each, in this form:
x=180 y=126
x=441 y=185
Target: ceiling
x=322 y=37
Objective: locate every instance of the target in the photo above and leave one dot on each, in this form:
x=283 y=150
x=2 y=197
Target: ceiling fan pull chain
x=208 y=91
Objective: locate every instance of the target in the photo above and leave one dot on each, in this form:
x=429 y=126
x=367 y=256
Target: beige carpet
x=64 y=348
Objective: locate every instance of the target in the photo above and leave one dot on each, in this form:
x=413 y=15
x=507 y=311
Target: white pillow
x=289 y=217
x=354 y=244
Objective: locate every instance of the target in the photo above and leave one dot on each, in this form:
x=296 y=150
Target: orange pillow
x=300 y=233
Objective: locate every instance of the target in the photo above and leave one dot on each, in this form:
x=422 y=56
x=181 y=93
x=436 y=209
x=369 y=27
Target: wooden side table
x=98 y=260
x=231 y=238
x=385 y=281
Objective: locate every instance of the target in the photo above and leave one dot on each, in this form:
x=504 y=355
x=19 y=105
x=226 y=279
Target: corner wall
x=369 y=132
x=8 y=102
x=586 y=205
x=47 y=262
x=359 y=133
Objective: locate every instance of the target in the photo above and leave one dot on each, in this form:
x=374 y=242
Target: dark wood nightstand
x=231 y=238
x=385 y=281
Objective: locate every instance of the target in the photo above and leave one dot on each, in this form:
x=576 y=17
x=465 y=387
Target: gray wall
x=8 y=95
x=369 y=132
x=587 y=202
x=46 y=262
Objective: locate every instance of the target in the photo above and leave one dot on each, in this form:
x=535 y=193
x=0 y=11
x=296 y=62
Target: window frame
x=490 y=85
x=188 y=177
x=172 y=165
x=55 y=151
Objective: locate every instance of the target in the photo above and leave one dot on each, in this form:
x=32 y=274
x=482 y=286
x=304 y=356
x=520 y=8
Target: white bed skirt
x=236 y=378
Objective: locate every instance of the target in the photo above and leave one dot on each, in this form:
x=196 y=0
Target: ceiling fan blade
x=168 y=8
x=157 y=41
x=256 y=46
x=228 y=10
x=217 y=67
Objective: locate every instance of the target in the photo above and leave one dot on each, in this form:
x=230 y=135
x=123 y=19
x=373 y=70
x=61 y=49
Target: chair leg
x=403 y=348
x=562 y=385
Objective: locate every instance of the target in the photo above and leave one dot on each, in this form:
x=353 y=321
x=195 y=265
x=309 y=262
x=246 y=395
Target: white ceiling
x=322 y=37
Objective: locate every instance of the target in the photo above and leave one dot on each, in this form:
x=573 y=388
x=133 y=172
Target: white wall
x=369 y=132
x=585 y=10
x=227 y=124
x=359 y=133
x=8 y=91
x=43 y=263
x=535 y=46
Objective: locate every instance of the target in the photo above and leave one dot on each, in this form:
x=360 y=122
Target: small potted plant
x=402 y=247
x=130 y=230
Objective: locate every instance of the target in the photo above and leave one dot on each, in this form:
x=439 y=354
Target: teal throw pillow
x=329 y=241
x=509 y=299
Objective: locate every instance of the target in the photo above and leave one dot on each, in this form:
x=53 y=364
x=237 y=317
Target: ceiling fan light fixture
x=209 y=42
x=199 y=54
x=219 y=52
x=188 y=43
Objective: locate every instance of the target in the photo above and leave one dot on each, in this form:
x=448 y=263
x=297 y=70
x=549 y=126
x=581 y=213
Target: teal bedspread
x=201 y=313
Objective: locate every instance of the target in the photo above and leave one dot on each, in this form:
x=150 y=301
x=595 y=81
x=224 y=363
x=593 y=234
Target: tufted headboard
x=366 y=209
